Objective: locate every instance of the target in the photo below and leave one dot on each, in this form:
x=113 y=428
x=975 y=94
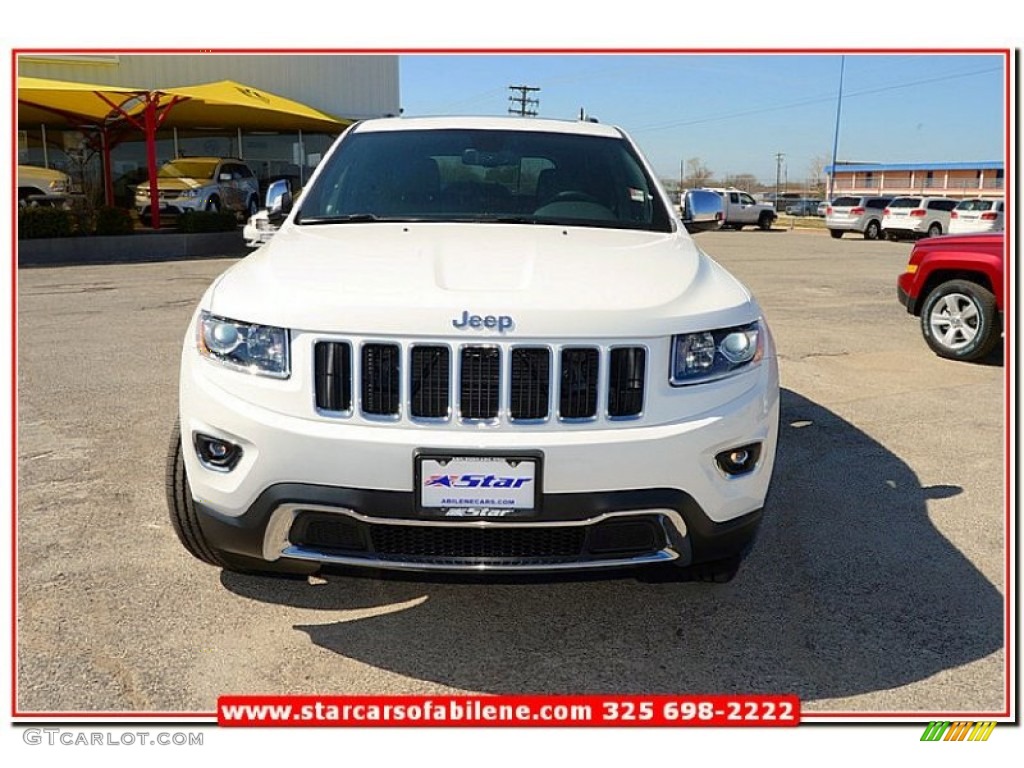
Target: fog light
x=217 y=454
x=739 y=460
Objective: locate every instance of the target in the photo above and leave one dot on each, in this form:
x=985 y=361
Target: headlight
x=260 y=349
x=709 y=355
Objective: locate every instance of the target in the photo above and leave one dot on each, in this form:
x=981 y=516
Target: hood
x=420 y=278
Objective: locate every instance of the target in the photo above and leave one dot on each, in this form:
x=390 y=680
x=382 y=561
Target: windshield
x=187 y=169
x=528 y=177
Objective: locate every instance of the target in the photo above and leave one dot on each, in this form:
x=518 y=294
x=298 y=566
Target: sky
x=737 y=111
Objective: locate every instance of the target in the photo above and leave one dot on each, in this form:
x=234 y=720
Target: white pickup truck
x=741 y=209
x=42 y=186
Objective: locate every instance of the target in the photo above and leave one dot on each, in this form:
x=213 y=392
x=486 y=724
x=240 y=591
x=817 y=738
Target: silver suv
x=202 y=184
x=856 y=214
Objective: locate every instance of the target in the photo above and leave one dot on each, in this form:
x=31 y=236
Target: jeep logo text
x=501 y=323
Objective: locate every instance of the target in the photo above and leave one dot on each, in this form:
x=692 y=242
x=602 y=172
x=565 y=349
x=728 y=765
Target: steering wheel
x=574 y=196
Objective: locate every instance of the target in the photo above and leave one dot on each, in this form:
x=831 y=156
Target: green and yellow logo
x=939 y=730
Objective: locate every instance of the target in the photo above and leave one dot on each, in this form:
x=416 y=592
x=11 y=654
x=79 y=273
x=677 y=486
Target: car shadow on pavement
x=850 y=590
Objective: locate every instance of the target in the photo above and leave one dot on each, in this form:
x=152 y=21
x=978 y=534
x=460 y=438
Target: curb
x=127 y=249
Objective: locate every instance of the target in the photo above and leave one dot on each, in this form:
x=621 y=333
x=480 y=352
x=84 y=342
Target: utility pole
x=779 y=157
x=835 y=140
x=522 y=104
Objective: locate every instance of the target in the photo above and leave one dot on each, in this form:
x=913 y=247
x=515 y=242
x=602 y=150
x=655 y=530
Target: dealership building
x=342 y=87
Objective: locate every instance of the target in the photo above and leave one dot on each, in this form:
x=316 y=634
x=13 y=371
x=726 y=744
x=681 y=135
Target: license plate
x=477 y=486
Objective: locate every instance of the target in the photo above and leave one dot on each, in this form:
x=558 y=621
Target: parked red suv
x=954 y=284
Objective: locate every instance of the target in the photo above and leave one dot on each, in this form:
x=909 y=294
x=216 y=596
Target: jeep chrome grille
x=381 y=368
x=578 y=390
x=479 y=382
x=531 y=383
x=430 y=376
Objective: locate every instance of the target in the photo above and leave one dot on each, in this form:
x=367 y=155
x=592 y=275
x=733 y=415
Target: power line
x=814 y=100
x=526 y=105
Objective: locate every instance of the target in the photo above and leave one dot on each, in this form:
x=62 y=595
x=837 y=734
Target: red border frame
x=1007 y=55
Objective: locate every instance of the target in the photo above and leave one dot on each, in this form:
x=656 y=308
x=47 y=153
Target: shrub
x=114 y=221
x=208 y=221
x=43 y=221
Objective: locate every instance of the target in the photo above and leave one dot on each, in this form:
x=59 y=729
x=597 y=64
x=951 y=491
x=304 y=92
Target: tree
x=745 y=181
x=816 y=174
x=697 y=174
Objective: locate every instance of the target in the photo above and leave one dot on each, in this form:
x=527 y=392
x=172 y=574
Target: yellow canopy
x=224 y=104
x=58 y=102
x=227 y=104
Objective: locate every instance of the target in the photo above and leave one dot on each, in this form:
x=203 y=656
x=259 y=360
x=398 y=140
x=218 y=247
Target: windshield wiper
x=514 y=220
x=348 y=218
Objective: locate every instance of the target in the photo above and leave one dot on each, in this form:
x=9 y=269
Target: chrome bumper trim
x=276 y=543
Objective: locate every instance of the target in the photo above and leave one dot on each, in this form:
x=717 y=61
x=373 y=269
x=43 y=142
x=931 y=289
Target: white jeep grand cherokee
x=476 y=344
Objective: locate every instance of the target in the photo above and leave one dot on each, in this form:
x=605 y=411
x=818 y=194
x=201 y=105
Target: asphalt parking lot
x=877 y=584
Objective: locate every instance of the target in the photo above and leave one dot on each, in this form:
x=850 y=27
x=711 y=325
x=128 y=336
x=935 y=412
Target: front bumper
x=903 y=285
x=589 y=531
x=175 y=207
x=610 y=494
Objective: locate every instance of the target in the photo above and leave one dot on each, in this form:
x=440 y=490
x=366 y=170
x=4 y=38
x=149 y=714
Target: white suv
x=977 y=215
x=856 y=214
x=917 y=217
x=476 y=344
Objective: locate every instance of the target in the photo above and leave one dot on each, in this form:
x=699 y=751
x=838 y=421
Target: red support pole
x=154 y=194
x=108 y=179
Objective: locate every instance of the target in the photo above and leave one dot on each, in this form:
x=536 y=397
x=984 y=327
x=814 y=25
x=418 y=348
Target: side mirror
x=279 y=197
x=224 y=177
x=702 y=210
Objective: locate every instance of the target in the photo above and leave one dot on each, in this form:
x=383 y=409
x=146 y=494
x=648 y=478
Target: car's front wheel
x=213 y=204
x=186 y=524
x=836 y=233
x=765 y=221
x=960 y=320
x=716 y=572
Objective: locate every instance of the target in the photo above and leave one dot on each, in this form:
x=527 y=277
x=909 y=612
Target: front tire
x=716 y=572
x=959 y=321
x=186 y=525
x=765 y=222
x=836 y=233
x=213 y=204
x=182 y=510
